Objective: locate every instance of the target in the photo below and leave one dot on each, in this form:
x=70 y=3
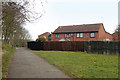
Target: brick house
x=45 y=35
x=85 y=32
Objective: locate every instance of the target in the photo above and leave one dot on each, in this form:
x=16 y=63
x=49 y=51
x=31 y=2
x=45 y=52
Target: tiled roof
x=78 y=28
x=45 y=33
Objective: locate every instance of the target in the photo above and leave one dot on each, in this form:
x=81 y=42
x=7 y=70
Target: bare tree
x=14 y=15
x=116 y=34
x=21 y=37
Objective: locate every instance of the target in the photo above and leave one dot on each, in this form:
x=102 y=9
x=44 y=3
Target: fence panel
x=100 y=47
x=64 y=46
x=35 y=45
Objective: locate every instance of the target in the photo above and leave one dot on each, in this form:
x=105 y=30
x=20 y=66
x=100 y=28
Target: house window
x=92 y=35
x=79 y=35
x=57 y=35
x=67 y=35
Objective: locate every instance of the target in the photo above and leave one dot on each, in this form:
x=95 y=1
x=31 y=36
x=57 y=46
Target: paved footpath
x=25 y=64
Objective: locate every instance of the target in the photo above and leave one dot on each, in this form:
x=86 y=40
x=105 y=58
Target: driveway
x=25 y=64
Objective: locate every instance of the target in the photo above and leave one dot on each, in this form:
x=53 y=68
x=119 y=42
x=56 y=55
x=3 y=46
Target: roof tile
x=78 y=28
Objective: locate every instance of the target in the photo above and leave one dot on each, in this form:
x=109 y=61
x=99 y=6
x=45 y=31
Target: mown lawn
x=7 y=53
x=82 y=65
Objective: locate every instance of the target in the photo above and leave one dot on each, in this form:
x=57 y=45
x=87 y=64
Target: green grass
x=81 y=65
x=8 y=52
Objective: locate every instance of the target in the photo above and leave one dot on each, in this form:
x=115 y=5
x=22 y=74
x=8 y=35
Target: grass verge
x=7 y=54
x=81 y=65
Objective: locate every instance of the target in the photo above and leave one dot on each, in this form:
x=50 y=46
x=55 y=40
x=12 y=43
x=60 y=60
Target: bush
x=41 y=39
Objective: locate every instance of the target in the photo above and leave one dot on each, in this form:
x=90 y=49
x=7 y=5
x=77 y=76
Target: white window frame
x=81 y=35
x=92 y=35
x=67 y=35
x=57 y=35
x=78 y=35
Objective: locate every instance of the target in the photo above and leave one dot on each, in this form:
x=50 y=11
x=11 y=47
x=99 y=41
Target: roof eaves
x=73 y=32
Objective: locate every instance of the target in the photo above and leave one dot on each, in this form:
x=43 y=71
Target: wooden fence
x=100 y=47
x=64 y=46
x=35 y=45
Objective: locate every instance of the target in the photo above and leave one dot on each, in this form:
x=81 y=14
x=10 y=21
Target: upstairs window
x=67 y=35
x=92 y=35
x=57 y=35
x=79 y=35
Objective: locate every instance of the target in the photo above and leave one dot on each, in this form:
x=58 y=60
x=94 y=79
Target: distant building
x=45 y=35
x=85 y=32
x=49 y=37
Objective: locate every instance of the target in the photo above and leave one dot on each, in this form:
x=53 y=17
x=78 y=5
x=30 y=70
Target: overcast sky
x=74 y=12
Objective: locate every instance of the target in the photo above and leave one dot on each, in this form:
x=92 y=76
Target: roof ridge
x=93 y=24
x=44 y=33
x=81 y=25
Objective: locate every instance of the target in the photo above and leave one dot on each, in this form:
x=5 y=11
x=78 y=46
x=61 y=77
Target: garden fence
x=100 y=47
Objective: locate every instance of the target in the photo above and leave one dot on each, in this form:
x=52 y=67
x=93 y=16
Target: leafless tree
x=14 y=15
x=116 y=34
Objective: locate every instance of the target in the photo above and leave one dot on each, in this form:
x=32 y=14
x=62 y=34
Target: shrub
x=41 y=39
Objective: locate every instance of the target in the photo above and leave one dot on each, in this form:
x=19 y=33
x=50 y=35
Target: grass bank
x=81 y=65
x=7 y=53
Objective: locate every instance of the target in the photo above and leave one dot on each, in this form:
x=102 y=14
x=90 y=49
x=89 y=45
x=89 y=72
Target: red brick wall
x=109 y=36
x=74 y=38
x=44 y=34
x=104 y=35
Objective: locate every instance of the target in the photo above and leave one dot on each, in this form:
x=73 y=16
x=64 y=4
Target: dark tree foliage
x=41 y=39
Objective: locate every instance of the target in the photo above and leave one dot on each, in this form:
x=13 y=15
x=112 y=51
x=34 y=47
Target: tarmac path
x=25 y=64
